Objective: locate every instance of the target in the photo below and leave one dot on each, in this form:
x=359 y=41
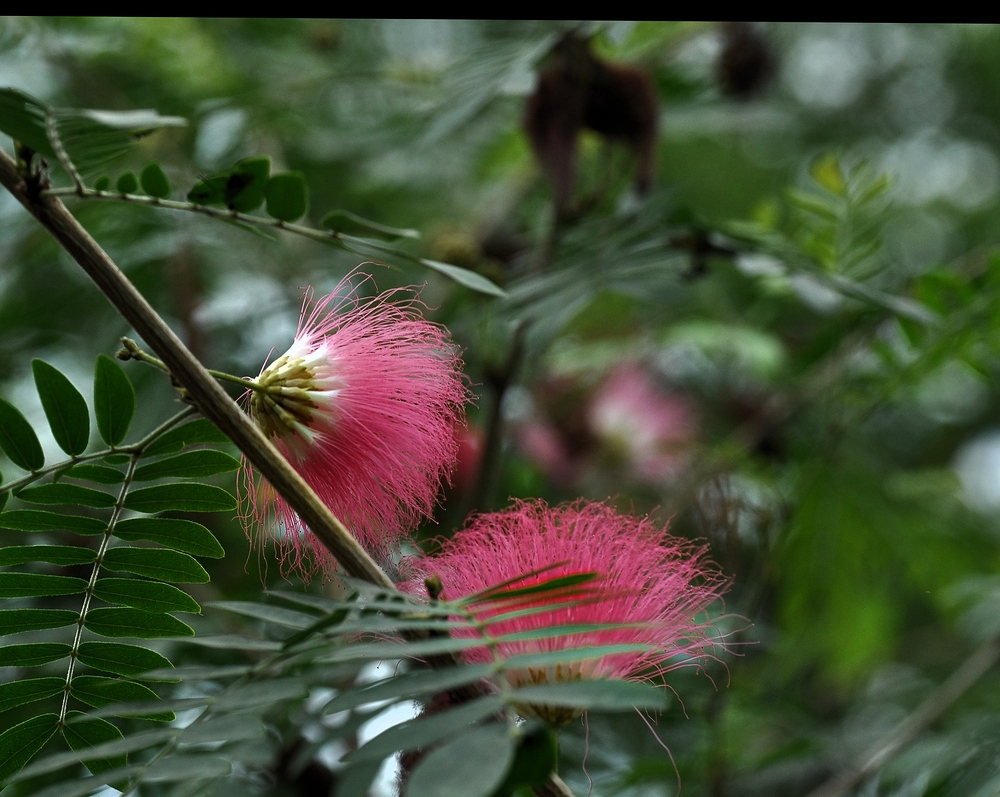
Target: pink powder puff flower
x=658 y=584
x=364 y=405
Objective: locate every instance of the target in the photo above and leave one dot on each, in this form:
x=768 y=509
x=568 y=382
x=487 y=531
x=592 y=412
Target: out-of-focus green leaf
x=127 y=183
x=114 y=400
x=180 y=498
x=598 y=694
x=132 y=623
x=87 y=732
x=18 y=440
x=154 y=181
x=65 y=408
x=343 y=221
x=22 y=117
x=172 y=566
x=287 y=196
x=181 y=535
x=121 y=659
x=474 y=763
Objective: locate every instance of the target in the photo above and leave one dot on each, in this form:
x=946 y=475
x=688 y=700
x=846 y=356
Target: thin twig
x=964 y=678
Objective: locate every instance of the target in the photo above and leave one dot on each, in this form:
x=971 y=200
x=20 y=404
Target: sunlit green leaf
x=65 y=408
x=121 y=659
x=99 y=691
x=180 y=498
x=150 y=596
x=35 y=585
x=189 y=464
x=133 y=623
x=18 y=440
x=32 y=654
x=179 y=534
x=114 y=400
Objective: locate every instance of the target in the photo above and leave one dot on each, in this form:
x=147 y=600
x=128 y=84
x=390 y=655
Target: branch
x=960 y=681
x=210 y=399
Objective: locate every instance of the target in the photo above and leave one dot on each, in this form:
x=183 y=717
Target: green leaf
x=470 y=279
x=95 y=473
x=42 y=520
x=210 y=191
x=150 y=596
x=32 y=654
x=197 y=431
x=17 y=693
x=262 y=693
x=180 y=498
x=112 y=747
x=114 y=400
x=172 y=566
x=99 y=691
x=176 y=533
x=343 y=221
x=65 y=408
x=410 y=685
x=22 y=117
x=396 y=650
x=121 y=659
x=472 y=764
x=287 y=196
x=426 y=730
x=61 y=493
x=599 y=694
x=87 y=732
x=154 y=181
x=53 y=554
x=36 y=585
x=190 y=464
x=18 y=440
x=18 y=745
x=17 y=621
x=224 y=729
x=236 y=642
x=133 y=623
x=270 y=614
x=102 y=183
x=246 y=183
x=553 y=657
x=127 y=183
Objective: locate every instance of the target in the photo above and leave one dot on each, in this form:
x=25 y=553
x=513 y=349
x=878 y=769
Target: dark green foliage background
x=839 y=350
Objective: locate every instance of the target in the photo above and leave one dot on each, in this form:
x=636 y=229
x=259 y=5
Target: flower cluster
x=654 y=586
x=364 y=405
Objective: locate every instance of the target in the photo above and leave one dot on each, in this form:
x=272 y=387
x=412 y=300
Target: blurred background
x=753 y=289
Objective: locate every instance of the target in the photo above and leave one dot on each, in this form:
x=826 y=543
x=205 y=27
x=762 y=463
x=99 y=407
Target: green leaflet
x=598 y=694
x=287 y=196
x=181 y=535
x=65 y=408
x=187 y=497
x=17 y=693
x=62 y=493
x=88 y=732
x=36 y=585
x=197 y=431
x=32 y=654
x=472 y=764
x=163 y=565
x=155 y=181
x=95 y=473
x=190 y=464
x=17 y=621
x=43 y=520
x=18 y=440
x=114 y=400
x=150 y=596
x=121 y=659
x=53 y=554
x=18 y=745
x=133 y=623
x=99 y=691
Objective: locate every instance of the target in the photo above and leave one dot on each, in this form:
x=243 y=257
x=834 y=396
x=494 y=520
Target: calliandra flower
x=364 y=406
x=656 y=586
